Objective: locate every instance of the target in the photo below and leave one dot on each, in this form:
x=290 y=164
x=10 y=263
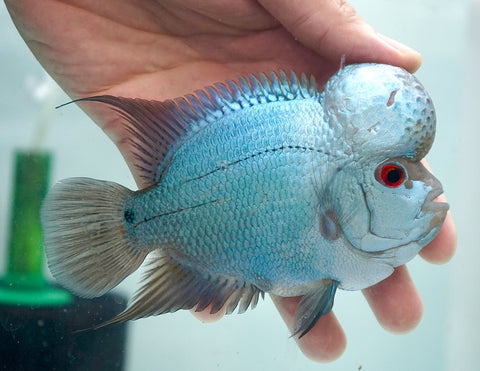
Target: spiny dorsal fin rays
x=150 y=128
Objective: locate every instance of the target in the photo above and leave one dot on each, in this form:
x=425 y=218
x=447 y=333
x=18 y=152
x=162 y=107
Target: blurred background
x=447 y=33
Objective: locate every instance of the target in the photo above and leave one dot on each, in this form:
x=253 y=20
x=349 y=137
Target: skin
x=165 y=49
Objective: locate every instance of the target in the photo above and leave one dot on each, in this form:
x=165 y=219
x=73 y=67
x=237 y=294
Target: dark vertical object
x=43 y=327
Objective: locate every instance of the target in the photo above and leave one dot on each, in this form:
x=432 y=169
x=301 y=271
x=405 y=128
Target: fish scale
x=233 y=210
x=265 y=185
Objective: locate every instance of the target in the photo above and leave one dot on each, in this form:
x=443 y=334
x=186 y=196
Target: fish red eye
x=391 y=175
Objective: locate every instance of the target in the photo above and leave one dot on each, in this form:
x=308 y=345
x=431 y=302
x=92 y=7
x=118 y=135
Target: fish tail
x=87 y=246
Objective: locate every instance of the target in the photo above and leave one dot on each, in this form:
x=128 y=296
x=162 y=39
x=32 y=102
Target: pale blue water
x=444 y=32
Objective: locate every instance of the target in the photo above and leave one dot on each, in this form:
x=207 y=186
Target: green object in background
x=24 y=282
x=43 y=327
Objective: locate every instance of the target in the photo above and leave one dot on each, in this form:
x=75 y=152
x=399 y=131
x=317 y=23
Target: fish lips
x=433 y=206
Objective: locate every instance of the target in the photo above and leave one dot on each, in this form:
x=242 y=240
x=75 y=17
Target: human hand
x=165 y=49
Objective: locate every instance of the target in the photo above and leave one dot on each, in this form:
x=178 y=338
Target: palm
x=157 y=50
x=147 y=49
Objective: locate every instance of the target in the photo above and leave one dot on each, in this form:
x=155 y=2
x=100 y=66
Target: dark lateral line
x=282 y=148
x=175 y=212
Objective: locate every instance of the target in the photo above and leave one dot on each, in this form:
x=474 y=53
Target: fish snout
x=434 y=204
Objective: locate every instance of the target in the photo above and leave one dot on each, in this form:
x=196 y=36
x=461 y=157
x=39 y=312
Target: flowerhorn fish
x=265 y=185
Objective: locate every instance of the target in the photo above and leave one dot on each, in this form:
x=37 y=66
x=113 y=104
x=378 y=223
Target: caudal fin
x=88 y=250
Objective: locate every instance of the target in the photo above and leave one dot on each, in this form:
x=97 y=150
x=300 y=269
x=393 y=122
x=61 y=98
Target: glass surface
x=447 y=34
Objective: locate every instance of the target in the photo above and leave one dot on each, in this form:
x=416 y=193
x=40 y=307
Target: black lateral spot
x=129 y=216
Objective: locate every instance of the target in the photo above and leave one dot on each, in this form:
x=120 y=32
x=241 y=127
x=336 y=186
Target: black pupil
x=394 y=176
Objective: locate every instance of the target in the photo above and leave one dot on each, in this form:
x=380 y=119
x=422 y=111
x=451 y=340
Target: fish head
x=380 y=110
x=385 y=198
x=388 y=209
x=401 y=198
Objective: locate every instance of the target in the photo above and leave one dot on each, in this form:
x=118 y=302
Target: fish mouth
x=396 y=255
x=433 y=205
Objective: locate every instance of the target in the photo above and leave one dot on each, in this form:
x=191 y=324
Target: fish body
x=265 y=185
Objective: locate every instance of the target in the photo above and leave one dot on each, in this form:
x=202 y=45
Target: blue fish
x=268 y=184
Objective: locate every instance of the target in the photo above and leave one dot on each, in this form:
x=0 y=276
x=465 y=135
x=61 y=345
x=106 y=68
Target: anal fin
x=314 y=305
x=170 y=286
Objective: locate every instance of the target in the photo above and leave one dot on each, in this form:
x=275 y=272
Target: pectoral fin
x=314 y=305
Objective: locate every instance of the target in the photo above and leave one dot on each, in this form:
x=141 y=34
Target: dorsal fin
x=150 y=128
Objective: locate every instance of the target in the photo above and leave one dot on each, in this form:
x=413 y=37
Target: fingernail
x=414 y=56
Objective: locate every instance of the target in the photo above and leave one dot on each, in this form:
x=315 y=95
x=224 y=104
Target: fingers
x=333 y=29
x=325 y=342
x=395 y=302
x=206 y=317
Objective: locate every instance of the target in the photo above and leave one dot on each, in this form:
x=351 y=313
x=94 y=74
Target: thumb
x=333 y=29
